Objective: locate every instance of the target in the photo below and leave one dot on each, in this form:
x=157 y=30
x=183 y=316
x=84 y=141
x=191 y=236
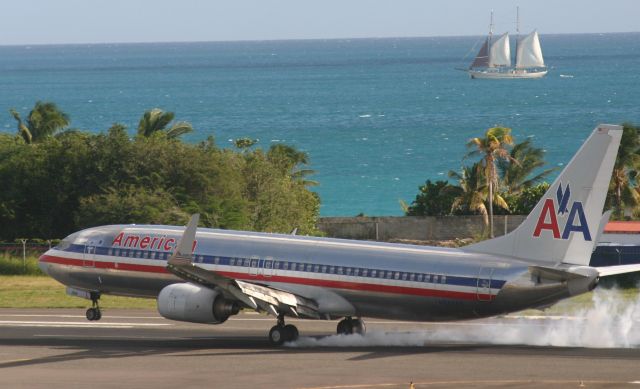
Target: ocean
x=377 y=117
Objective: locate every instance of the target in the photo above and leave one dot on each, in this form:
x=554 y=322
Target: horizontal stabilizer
x=620 y=269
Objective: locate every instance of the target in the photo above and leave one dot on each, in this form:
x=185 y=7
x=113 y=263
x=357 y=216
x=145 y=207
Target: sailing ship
x=494 y=58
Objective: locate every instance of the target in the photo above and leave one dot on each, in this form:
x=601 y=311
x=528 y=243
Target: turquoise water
x=377 y=116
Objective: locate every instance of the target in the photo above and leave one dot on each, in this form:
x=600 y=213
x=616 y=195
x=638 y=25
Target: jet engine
x=193 y=303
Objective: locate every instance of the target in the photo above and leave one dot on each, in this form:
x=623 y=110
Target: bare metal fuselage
x=346 y=278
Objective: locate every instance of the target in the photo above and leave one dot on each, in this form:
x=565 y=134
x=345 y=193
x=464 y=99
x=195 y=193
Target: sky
x=106 y=21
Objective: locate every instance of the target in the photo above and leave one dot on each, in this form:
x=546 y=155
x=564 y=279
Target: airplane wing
x=253 y=295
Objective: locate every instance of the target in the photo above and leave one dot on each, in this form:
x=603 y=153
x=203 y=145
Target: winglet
x=184 y=250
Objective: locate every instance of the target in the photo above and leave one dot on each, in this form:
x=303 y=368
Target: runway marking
x=15 y=361
x=470 y=382
x=110 y=337
x=62 y=324
x=82 y=316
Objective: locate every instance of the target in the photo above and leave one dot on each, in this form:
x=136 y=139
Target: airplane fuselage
x=345 y=277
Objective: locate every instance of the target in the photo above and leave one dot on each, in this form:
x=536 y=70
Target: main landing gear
x=94 y=312
x=281 y=333
x=348 y=326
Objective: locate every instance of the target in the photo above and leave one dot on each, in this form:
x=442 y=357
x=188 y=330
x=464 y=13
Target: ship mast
x=490 y=28
x=517 y=32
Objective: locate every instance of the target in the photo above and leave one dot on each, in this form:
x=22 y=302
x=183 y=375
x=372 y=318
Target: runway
x=139 y=349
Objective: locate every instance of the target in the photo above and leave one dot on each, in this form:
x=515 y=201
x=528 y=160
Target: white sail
x=500 y=53
x=529 y=53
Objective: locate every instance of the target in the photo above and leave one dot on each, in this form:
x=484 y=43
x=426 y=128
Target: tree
x=518 y=171
x=434 y=199
x=44 y=120
x=523 y=202
x=492 y=148
x=244 y=144
x=288 y=159
x=623 y=191
x=473 y=197
x=156 y=121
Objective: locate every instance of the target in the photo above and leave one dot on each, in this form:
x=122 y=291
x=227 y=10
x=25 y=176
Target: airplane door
x=484 y=284
x=88 y=255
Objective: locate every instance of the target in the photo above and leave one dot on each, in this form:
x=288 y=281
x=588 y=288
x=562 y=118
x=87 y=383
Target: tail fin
x=563 y=226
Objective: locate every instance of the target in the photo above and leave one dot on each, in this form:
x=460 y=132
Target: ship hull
x=488 y=74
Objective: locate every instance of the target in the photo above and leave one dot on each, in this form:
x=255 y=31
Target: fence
x=421 y=228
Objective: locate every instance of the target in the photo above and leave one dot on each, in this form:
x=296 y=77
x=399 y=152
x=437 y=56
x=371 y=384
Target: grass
x=45 y=292
x=11 y=265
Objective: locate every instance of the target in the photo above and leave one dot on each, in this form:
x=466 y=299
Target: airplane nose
x=43 y=263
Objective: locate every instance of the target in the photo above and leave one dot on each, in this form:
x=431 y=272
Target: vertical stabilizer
x=564 y=225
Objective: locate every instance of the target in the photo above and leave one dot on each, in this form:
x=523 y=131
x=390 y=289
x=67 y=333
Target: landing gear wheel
x=291 y=333
x=281 y=333
x=345 y=327
x=348 y=326
x=277 y=335
x=358 y=326
x=94 y=312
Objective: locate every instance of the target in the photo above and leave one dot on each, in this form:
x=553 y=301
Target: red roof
x=622 y=228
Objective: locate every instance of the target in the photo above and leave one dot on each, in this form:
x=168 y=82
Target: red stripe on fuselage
x=284 y=279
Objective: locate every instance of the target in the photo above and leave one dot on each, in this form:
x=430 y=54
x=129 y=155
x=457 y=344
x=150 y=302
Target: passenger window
x=316 y=268
x=412 y=277
x=420 y=277
x=285 y=265
x=374 y=273
x=435 y=279
x=110 y=252
x=216 y=260
x=232 y=262
x=332 y=270
x=348 y=271
x=404 y=276
x=443 y=279
x=117 y=252
x=323 y=269
x=365 y=273
x=339 y=270
x=396 y=276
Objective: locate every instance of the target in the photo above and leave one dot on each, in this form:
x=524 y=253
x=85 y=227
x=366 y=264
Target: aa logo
x=574 y=222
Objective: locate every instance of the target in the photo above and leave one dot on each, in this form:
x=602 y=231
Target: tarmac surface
x=138 y=349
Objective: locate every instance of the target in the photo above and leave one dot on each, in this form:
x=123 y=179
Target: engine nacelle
x=193 y=303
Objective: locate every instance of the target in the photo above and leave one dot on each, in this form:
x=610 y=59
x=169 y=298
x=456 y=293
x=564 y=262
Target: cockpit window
x=67 y=242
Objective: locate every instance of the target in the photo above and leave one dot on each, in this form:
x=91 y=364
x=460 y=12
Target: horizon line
x=293 y=39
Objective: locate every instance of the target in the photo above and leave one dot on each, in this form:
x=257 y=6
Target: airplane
x=206 y=275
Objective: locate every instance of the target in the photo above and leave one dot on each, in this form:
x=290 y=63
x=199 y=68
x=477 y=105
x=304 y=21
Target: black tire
x=291 y=332
x=91 y=314
x=345 y=327
x=98 y=314
x=359 y=327
x=277 y=335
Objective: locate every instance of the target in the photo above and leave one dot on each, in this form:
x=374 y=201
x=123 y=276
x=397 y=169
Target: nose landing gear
x=282 y=332
x=94 y=312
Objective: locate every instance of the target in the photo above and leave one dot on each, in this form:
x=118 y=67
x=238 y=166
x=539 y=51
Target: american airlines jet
x=205 y=275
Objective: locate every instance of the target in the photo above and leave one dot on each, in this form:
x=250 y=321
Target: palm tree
x=289 y=160
x=157 y=120
x=44 y=120
x=517 y=171
x=474 y=191
x=492 y=148
x=622 y=190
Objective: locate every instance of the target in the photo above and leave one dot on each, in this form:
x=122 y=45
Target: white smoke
x=612 y=321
